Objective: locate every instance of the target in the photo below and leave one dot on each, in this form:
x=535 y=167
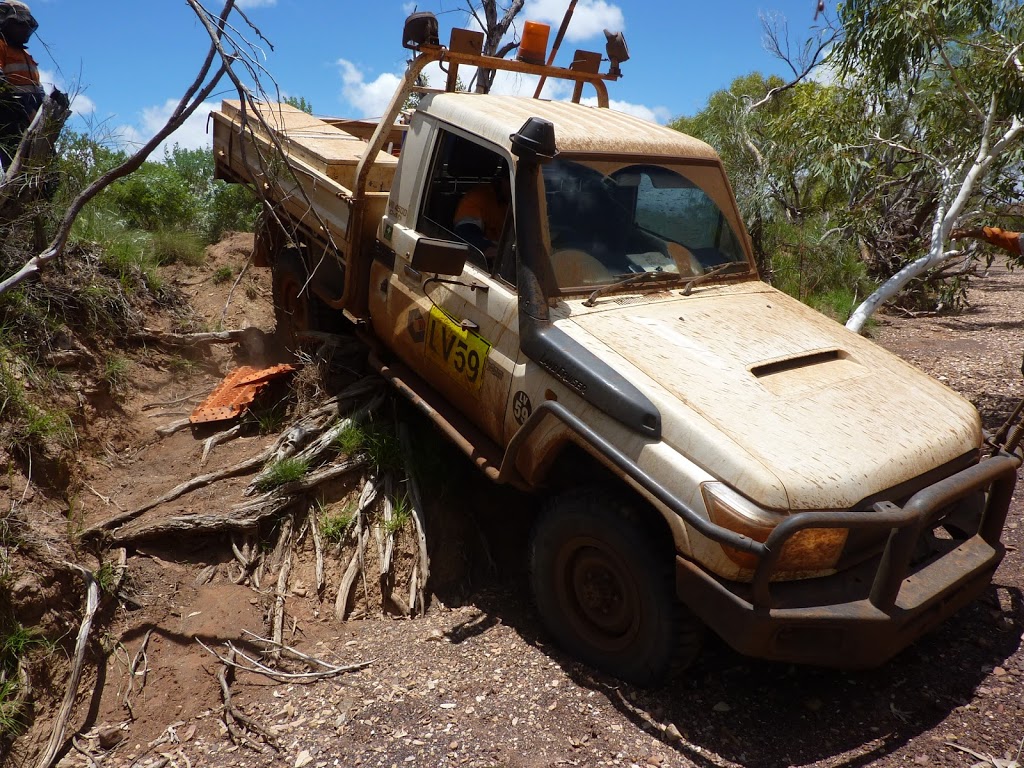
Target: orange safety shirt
x=481 y=206
x=18 y=69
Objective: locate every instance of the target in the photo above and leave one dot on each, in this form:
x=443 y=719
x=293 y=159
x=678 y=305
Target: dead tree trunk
x=25 y=181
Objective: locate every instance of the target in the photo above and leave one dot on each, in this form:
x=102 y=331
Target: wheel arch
x=569 y=462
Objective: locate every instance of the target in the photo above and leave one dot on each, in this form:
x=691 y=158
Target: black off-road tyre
x=297 y=310
x=292 y=306
x=604 y=588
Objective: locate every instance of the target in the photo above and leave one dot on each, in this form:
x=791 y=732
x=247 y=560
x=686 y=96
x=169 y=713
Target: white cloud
x=408 y=8
x=81 y=104
x=651 y=114
x=371 y=98
x=589 y=19
x=191 y=135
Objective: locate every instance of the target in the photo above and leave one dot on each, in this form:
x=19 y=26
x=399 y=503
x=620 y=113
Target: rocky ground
x=474 y=682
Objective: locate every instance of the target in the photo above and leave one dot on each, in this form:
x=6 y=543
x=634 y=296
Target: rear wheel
x=293 y=306
x=604 y=588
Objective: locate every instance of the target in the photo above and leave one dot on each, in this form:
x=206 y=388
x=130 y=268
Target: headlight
x=813 y=549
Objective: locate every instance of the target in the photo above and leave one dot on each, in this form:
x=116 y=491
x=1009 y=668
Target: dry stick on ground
x=385 y=544
x=322 y=669
x=175 y=426
x=248 y=557
x=234 y=285
x=356 y=564
x=238 y=723
x=133 y=672
x=419 y=580
x=92 y=602
x=167 y=403
x=349 y=578
x=215 y=440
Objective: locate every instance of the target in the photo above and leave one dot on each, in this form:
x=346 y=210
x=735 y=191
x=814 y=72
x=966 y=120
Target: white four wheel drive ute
x=706 y=449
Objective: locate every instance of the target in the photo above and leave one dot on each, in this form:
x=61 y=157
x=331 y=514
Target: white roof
x=578 y=128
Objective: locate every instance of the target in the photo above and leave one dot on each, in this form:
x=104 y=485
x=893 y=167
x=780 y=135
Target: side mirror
x=442 y=257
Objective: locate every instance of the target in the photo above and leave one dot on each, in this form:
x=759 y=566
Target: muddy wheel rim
x=294 y=305
x=601 y=597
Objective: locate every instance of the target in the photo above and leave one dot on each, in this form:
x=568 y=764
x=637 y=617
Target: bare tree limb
x=194 y=96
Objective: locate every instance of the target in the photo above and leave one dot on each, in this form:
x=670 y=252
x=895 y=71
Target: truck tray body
x=313 y=184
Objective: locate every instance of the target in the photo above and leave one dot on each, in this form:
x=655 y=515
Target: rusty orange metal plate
x=236 y=392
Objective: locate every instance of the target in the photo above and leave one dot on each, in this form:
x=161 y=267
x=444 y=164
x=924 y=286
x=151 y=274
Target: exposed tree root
x=57 y=736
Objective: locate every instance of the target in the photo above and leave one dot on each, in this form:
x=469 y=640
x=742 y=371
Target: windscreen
x=606 y=224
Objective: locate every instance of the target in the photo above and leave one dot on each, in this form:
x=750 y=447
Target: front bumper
x=864 y=615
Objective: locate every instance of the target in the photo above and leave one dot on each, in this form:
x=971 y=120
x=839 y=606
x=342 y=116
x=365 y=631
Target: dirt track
x=474 y=682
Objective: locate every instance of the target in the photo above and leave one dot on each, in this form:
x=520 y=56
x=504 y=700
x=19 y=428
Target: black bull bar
x=863 y=615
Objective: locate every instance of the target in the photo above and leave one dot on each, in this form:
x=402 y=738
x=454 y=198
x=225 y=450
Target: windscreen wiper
x=626 y=280
x=707 y=275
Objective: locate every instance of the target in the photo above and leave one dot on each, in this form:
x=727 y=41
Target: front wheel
x=603 y=587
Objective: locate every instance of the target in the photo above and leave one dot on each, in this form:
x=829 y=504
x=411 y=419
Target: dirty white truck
x=705 y=449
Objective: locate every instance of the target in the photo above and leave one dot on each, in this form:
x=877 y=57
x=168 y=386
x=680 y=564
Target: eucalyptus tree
x=943 y=90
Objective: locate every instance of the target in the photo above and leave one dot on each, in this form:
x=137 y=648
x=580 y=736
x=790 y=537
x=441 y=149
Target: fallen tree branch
x=420 y=577
x=133 y=672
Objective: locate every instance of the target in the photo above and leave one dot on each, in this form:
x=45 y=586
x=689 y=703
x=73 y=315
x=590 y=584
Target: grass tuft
x=281 y=472
x=401 y=513
x=334 y=525
x=222 y=275
x=175 y=247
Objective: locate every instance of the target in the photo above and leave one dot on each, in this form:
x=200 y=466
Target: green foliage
x=350 y=439
x=281 y=472
x=299 y=102
x=107 y=576
x=876 y=154
x=818 y=266
x=154 y=197
x=25 y=425
x=11 y=723
x=379 y=442
x=223 y=275
x=173 y=247
x=18 y=641
x=269 y=420
x=383 y=448
x=176 y=195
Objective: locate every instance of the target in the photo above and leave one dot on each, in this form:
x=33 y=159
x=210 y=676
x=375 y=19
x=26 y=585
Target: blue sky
x=129 y=61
